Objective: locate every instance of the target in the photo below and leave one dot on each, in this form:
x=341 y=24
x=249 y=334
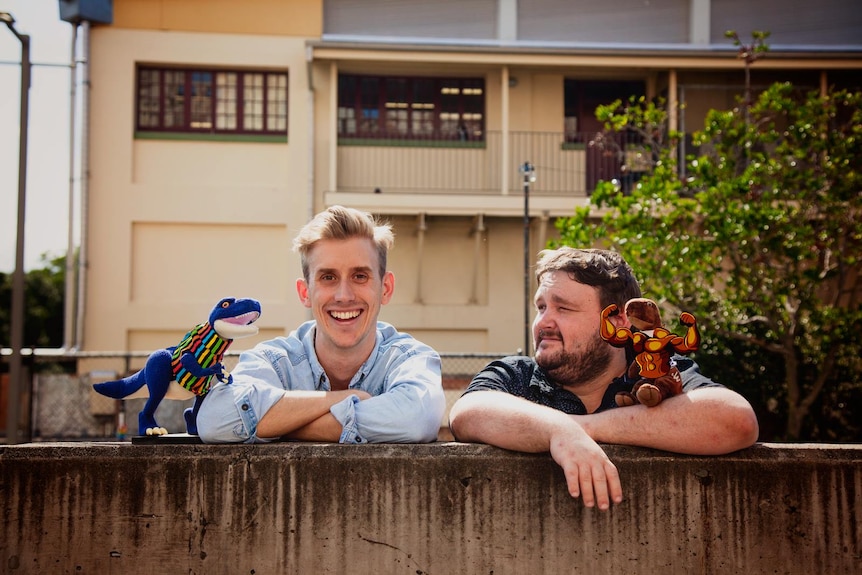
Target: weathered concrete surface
x=444 y=508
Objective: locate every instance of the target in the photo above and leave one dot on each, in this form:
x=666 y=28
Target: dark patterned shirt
x=521 y=376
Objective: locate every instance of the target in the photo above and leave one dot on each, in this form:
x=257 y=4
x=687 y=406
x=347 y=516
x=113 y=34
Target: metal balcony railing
x=567 y=164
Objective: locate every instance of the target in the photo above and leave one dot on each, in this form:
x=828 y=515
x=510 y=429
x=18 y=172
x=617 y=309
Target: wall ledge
x=431 y=509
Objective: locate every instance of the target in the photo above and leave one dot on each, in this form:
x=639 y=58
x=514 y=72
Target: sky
x=49 y=133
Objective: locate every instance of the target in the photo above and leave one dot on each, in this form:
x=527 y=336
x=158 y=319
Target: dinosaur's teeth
x=243 y=319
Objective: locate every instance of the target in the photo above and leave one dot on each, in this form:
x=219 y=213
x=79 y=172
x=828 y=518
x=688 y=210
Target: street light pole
x=13 y=412
x=529 y=174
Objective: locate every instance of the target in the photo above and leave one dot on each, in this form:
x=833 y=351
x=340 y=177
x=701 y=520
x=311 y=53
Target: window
x=607 y=158
x=582 y=97
x=399 y=108
x=211 y=101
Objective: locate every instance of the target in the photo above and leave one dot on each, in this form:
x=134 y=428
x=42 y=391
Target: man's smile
x=345 y=315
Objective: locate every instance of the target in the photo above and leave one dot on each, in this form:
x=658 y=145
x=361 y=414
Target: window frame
x=225 y=105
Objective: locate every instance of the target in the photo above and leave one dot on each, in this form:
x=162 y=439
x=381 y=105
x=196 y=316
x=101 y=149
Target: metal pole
x=70 y=299
x=84 y=186
x=16 y=384
x=527 y=170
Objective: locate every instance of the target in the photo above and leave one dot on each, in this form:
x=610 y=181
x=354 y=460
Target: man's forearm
x=324 y=428
x=504 y=420
x=298 y=409
x=707 y=421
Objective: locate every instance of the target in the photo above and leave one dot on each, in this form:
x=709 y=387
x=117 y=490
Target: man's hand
x=515 y=423
x=589 y=473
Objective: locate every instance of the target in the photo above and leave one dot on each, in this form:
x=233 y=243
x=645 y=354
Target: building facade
x=218 y=128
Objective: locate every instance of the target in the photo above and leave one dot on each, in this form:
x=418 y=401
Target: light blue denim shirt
x=402 y=375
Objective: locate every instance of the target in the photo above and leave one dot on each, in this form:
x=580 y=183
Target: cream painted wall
x=547 y=104
x=448 y=323
x=174 y=225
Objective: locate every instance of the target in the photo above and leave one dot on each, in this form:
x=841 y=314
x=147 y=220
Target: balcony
x=465 y=177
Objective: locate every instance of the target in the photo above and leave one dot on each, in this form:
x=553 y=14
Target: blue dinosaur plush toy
x=190 y=365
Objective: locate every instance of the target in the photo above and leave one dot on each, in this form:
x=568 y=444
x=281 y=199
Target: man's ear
x=302 y=291
x=620 y=319
x=388 y=287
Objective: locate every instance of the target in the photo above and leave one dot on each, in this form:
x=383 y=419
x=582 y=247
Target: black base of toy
x=169 y=439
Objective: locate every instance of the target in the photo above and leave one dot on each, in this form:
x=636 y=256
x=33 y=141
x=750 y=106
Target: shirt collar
x=320 y=378
x=541 y=384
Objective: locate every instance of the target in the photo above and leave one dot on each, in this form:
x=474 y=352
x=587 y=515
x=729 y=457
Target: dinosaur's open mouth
x=243 y=319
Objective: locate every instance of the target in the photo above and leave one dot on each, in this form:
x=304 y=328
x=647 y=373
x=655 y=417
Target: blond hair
x=340 y=223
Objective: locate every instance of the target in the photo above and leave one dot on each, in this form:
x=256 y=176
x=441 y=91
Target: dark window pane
x=369 y=98
x=423 y=108
x=347 y=105
x=202 y=103
x=148 y=99
x=174 y=99
x=396 y=107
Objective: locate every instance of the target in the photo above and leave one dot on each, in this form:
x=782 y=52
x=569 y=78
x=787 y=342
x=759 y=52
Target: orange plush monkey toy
x=655 y=377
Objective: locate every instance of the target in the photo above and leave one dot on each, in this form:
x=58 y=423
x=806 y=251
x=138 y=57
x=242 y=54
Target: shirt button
x=245 y=407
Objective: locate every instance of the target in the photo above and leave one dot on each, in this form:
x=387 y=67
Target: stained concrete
x=444 y=508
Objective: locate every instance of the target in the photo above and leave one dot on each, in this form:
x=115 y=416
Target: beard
x=575 y=368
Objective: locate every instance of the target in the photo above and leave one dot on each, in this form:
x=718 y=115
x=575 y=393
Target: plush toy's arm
x=610 y=333
x=691 y=340
x=192 y=366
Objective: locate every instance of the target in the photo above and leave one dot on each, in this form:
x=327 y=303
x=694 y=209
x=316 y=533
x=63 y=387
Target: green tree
x=761 y=240
x=43 y=304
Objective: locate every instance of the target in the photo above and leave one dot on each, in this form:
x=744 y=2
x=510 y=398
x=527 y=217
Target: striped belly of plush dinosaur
x=208 y=347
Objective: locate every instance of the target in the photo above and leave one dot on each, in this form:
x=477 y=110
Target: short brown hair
x=602 y=269
x=340 y=223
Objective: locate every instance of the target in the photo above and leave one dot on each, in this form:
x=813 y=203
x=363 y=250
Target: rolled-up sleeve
x=409 y=408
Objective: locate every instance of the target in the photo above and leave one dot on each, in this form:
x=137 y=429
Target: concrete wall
x=444 y=508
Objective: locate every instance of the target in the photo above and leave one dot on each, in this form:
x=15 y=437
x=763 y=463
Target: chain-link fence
x=64 y=406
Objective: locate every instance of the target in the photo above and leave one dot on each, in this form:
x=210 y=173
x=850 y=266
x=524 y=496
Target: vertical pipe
x=672 y=102
x=312 y=138
x=504 y=135
x=543 y=229
x=420 y=250
x=478 y=232
x=85 y=183
x=673 y=109
x=332 y=182
x=527 y=258
x=16 y=379
x=682 y=145
x=69 y=301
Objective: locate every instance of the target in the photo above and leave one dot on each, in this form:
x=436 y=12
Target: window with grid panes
x=211 y=101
